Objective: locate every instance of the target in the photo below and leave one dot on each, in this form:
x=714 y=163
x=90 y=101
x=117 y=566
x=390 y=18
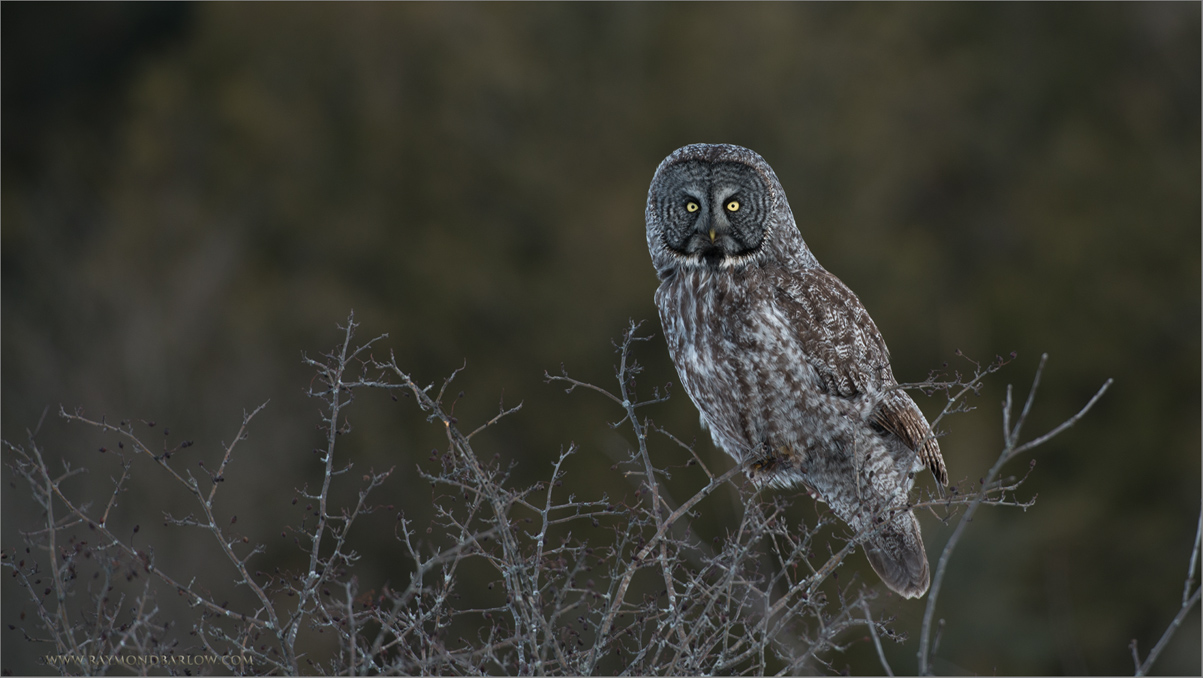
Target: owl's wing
x=847 y=351
x=898 y=414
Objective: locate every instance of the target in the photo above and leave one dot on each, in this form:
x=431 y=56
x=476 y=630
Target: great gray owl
x=780 y=357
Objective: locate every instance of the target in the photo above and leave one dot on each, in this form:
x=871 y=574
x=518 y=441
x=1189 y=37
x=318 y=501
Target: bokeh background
x=195 y=195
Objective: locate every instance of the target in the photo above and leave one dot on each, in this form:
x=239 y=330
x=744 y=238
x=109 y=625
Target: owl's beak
x=712 y=236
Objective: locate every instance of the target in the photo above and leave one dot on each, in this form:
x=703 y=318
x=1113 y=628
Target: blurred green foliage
x=194 y=195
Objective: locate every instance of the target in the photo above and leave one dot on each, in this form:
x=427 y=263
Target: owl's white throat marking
x=713 y=257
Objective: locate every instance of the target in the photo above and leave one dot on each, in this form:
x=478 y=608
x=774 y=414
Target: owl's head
x=718 y=207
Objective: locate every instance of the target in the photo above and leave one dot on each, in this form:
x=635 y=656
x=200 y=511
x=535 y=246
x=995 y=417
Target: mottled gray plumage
x=780 y=357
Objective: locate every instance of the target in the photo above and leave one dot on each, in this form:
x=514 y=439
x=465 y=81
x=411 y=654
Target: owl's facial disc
x=713 y=238
x=714 y=214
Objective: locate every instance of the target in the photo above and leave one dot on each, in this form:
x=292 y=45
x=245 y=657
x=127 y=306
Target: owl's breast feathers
x=816 y=319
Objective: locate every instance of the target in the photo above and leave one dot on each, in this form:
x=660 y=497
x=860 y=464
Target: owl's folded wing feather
x=899 y=415
x=847 y=351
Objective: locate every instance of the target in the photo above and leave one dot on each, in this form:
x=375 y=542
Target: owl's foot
x=781 y=466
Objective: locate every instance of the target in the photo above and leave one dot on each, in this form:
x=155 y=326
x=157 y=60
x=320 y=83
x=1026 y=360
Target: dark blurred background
x=195 y=195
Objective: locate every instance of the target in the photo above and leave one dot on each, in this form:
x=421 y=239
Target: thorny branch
x=1011 y=448
x=1189 y=599
x=553 y=577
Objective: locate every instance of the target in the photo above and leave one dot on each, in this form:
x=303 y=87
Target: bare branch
x=540 y=578
x=1008 y=452
x=1188 y=603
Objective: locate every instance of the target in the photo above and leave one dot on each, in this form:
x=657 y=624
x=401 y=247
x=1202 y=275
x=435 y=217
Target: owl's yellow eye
x=692 y=206
x=733 y=206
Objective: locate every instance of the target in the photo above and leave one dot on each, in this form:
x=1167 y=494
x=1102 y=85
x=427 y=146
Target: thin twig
x=1194 y=560
x=881 y=654
x=1188 y=602
x=1008 y=452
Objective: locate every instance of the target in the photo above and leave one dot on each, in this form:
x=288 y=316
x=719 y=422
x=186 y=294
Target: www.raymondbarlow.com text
x=145 y=659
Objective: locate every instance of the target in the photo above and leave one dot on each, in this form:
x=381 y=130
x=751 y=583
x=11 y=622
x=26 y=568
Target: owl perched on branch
x=783 y=362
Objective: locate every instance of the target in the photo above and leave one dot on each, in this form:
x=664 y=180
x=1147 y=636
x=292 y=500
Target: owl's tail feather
x=897 y=556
